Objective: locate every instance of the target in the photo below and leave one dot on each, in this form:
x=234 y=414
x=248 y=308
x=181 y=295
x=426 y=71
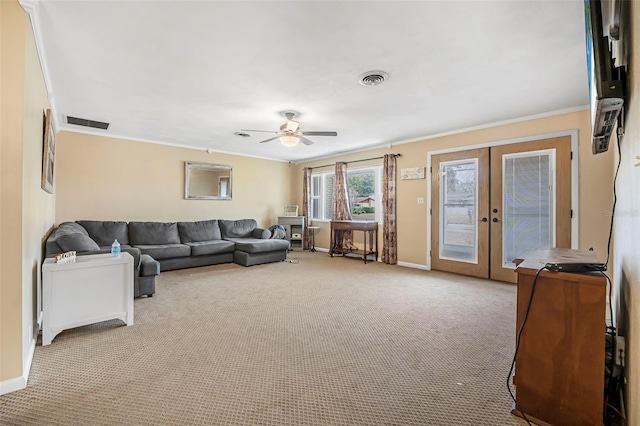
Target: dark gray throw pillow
x=77 y=242
x=260 y=233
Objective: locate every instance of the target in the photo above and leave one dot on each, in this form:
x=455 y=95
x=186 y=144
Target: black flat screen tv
x=606 y=81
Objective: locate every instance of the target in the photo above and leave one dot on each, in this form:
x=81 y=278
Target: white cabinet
x=294 y=226
x=96 y=288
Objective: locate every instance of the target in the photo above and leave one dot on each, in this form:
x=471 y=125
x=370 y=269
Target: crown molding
x=31 y=8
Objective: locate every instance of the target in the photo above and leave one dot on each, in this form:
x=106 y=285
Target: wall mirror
x=207 y=181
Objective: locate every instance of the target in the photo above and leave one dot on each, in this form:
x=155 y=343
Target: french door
x=490 y=205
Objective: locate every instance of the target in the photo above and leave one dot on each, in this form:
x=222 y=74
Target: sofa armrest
x=261 y=233
x=135 y=252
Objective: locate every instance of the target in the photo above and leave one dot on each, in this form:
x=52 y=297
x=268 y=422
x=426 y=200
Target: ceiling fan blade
x=270 y=139
x=320 y=133
x=263 y=131
x=305 y=141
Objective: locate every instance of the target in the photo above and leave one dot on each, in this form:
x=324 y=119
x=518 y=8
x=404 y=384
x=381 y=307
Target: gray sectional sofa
x=164 y=246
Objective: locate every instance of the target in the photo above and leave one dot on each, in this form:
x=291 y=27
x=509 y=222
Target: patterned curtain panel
x=389 y=230
x=342 y=239
x=306 y=206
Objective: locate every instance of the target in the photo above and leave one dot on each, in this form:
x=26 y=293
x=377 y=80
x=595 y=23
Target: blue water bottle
x=115 y=249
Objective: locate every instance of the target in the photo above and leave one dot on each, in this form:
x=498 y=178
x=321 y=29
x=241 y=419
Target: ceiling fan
x=290 y=133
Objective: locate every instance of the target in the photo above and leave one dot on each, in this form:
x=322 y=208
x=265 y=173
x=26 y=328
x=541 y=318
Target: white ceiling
x=191 y=73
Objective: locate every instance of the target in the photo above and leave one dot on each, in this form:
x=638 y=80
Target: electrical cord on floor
x=519 y=335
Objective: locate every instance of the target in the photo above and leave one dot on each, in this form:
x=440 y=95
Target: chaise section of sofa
x=253 y=245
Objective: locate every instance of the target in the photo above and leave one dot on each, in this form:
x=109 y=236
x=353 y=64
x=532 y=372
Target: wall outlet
x=620 y=351
x=420 y=200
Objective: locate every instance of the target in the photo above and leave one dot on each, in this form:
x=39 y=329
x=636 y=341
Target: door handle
x=495 y=220
x=484 y=219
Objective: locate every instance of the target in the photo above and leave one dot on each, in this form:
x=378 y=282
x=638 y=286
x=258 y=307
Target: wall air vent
x=87 y=123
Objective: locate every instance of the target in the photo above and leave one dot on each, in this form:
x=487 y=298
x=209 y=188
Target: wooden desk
x=369 y=228
x=559 y=375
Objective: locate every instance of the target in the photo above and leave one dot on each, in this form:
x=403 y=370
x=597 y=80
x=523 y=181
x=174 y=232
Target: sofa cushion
x=104 y=232
x=165 y=251
x=237 y=228
x=70 y=228
x=255 y=245
x=52 y=247
x=153 y=233
x=122 y=247
x=204 y=230
x=202 y=248
x=77 y=242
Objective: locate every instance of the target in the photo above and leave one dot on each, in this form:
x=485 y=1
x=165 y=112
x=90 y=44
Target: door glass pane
x=528 y=207
x=458 y=210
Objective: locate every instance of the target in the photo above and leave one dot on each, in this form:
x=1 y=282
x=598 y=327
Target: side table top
x=87 y=261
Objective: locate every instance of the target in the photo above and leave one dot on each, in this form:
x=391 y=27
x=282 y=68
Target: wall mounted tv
x=605 y=40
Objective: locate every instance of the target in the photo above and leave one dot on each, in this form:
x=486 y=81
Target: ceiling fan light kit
x=289 y=140
x=290 y=134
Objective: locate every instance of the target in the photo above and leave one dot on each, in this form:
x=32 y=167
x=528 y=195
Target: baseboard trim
x=18 y=383
x=405 y=264
x=12 y=385
x=414 y=266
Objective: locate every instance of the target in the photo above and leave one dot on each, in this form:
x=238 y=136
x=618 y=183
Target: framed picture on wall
x=49 y=154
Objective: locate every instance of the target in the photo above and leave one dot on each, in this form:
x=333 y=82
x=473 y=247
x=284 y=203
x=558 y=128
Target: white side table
x=96 y=288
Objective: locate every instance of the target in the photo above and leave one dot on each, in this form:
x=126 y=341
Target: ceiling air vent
x=87 y=123
x=373 y=78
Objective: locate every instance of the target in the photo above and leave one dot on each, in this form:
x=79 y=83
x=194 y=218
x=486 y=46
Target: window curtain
x=306 y=206
x=389 y=229
x=342 y=239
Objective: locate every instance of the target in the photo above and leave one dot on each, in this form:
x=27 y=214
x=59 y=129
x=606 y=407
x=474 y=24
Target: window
x=364 y=187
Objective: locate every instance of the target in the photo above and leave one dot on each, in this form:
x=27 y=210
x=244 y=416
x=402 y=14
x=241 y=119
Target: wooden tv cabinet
x=559 y=370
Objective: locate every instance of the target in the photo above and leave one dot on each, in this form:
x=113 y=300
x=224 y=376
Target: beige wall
x=595 y=182
x=13 y=24
x=626 y=251
x=38 y=206
x=26 y=211
x=104 y=178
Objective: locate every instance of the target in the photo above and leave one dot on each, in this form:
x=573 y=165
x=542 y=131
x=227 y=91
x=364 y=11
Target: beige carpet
x=322 y=342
